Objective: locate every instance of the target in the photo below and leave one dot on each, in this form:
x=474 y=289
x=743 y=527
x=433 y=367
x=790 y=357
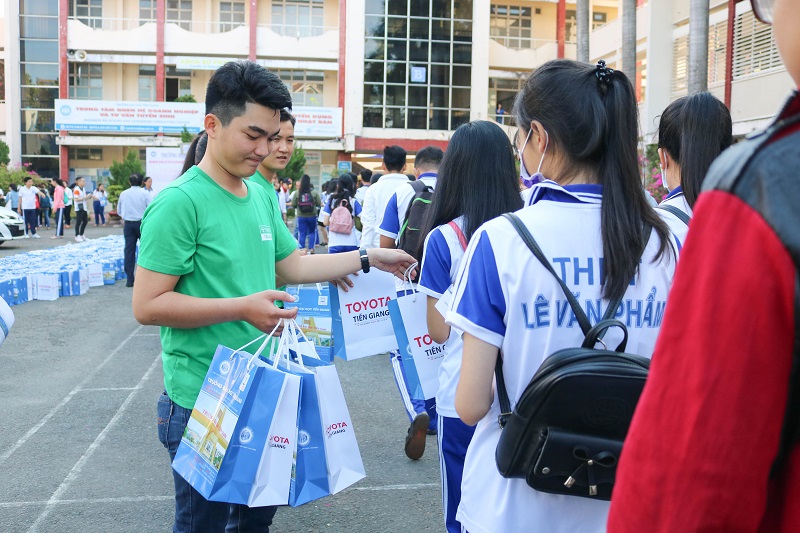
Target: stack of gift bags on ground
x=271 y=425
x=68 y=270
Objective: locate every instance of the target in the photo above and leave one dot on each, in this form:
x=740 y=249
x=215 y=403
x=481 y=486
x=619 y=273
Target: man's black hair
x=237 y=83
x=429 y=158
x=394 y=157
x=286 y=116
x=135 y=179
x=26 y=179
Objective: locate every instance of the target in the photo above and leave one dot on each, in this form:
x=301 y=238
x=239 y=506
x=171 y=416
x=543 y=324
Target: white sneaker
x=27 y=236
x=37 y=236
x=78 y=238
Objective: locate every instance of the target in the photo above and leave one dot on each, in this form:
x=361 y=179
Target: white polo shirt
x=676 y=199
x=506 y=298
x=378 y=195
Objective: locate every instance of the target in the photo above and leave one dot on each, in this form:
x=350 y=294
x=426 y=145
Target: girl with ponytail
x=692 y=132
x=588 y=212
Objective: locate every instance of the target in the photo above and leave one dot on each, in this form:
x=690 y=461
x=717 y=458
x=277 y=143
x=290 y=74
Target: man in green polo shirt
x=211 y=245
x=280 y=155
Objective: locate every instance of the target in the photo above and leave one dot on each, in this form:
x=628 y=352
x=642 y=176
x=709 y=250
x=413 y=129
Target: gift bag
x=6 y=319
x=48 y=286
x=341 y=463
x=361 y=322
x=238 y=443
x=314 y=316
x=421 y=356
x=109 y=273
x=95 y=272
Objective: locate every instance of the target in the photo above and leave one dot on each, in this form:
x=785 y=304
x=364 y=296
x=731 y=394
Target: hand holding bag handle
x=583 y=320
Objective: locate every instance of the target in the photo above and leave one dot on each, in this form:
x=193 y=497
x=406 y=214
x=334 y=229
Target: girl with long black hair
x=474 y=186
x=344 y=197
x=578 y=126
x=692 y=132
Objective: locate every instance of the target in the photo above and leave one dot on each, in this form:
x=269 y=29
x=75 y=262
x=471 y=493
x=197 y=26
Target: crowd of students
x=712 y=446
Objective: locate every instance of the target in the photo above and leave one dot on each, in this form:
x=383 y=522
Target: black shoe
x=432 y=432
x=129 y=284
x=415 y=440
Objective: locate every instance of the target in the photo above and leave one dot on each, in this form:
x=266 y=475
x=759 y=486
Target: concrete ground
x=79 y=379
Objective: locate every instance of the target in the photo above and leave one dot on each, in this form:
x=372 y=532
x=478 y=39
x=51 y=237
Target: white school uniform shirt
x=442 y=257
x=337 y=239
x=676 y=199
x=27 y=197
x=506 y=298
x=378 y=195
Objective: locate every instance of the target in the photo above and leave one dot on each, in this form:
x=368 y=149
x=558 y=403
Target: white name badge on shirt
x=266 y=233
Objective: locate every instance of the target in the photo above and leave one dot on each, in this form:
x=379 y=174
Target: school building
x=85 y=81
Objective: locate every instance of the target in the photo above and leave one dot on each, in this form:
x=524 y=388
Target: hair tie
x=603 y=73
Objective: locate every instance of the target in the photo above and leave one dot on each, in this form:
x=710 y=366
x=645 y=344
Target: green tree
x=186 y=98
x=296 y=166
x=186 y=136
x=4 y=159
x=121 y=171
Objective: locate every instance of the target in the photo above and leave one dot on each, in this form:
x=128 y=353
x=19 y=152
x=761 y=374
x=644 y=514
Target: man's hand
x=396 y=262
x=259 y=310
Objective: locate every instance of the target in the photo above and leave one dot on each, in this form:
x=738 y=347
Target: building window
x=180 y=12
x=143 y=154
x=417 y=71
x=511 y=26
x=90 y=12
x=503 y=91
x=147 y=11
x=177 y=83
x=147 y=83
x=305 y=86
x=231 y=15
x=297 y=18
x=38 y=71
x=86 y=81
x=89 y=154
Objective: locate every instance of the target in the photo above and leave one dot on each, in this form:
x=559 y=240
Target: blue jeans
x=307 y=227
x=193 y=513
x=99 y=213
x=30 y=220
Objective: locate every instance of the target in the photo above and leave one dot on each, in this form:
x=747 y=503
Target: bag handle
x=462 y=239
x=680 y=215
x=583 y=320
x=596 y=333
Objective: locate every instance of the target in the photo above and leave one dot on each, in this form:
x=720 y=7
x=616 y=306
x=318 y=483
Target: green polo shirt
x=221 y=246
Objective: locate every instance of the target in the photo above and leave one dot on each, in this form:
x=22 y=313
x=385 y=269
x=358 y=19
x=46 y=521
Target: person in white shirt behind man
x=27 y=206
x=130 y=207
x=378 y=195
x=81 y=208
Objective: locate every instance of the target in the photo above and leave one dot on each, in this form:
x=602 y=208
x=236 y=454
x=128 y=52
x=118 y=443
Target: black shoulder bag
x=565 y=433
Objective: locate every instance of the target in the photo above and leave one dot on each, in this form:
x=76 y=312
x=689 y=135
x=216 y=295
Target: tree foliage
x=121 y=171
x=296 y=166
x=4 y=159
x=186 y=98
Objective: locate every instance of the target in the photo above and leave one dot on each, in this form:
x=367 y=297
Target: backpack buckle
x=502 y=419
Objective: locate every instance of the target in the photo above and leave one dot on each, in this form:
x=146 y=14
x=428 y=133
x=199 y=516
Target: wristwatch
x=364 y=260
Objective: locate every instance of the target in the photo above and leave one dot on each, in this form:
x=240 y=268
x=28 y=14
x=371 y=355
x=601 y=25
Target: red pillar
x=729 y=52
x=63 y=83
x=561 y=27
x=342 y=52
x=253 y=29
x=161 y=12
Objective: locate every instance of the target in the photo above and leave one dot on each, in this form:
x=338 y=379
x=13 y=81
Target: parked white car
x=12 y=225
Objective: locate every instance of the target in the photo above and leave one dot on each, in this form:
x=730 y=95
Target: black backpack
x=680 y=215
x=566 y=431
x=411 y=239
x=305 y=204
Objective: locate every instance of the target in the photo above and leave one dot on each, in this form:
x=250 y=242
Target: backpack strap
x=583 y=320
x=683 y=217
x=462 y=239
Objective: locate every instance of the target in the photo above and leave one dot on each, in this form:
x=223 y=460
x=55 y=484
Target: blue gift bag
x=232 y=428
x=314 y=316
x=109 y=273
x=407 y=357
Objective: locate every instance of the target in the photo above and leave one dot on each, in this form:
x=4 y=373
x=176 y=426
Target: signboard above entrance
x=128 y=117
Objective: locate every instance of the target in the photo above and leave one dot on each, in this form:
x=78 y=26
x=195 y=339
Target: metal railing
x=122 y=24
x=297 y=30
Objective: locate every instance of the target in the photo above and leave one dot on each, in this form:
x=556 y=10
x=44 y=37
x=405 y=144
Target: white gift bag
x=83 y=277
x=361 y=322
x=95 y=271
x=47 y=286
x=426 y=354
x=6 y=319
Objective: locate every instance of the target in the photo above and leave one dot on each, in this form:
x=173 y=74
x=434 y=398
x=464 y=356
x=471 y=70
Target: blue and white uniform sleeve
x=356 y=208
x=327 y=208
x=434 y=279
x=390 y=225
x=479 y=306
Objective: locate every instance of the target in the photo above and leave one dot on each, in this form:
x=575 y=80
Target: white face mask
x=664 y=181
x=528 y=180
